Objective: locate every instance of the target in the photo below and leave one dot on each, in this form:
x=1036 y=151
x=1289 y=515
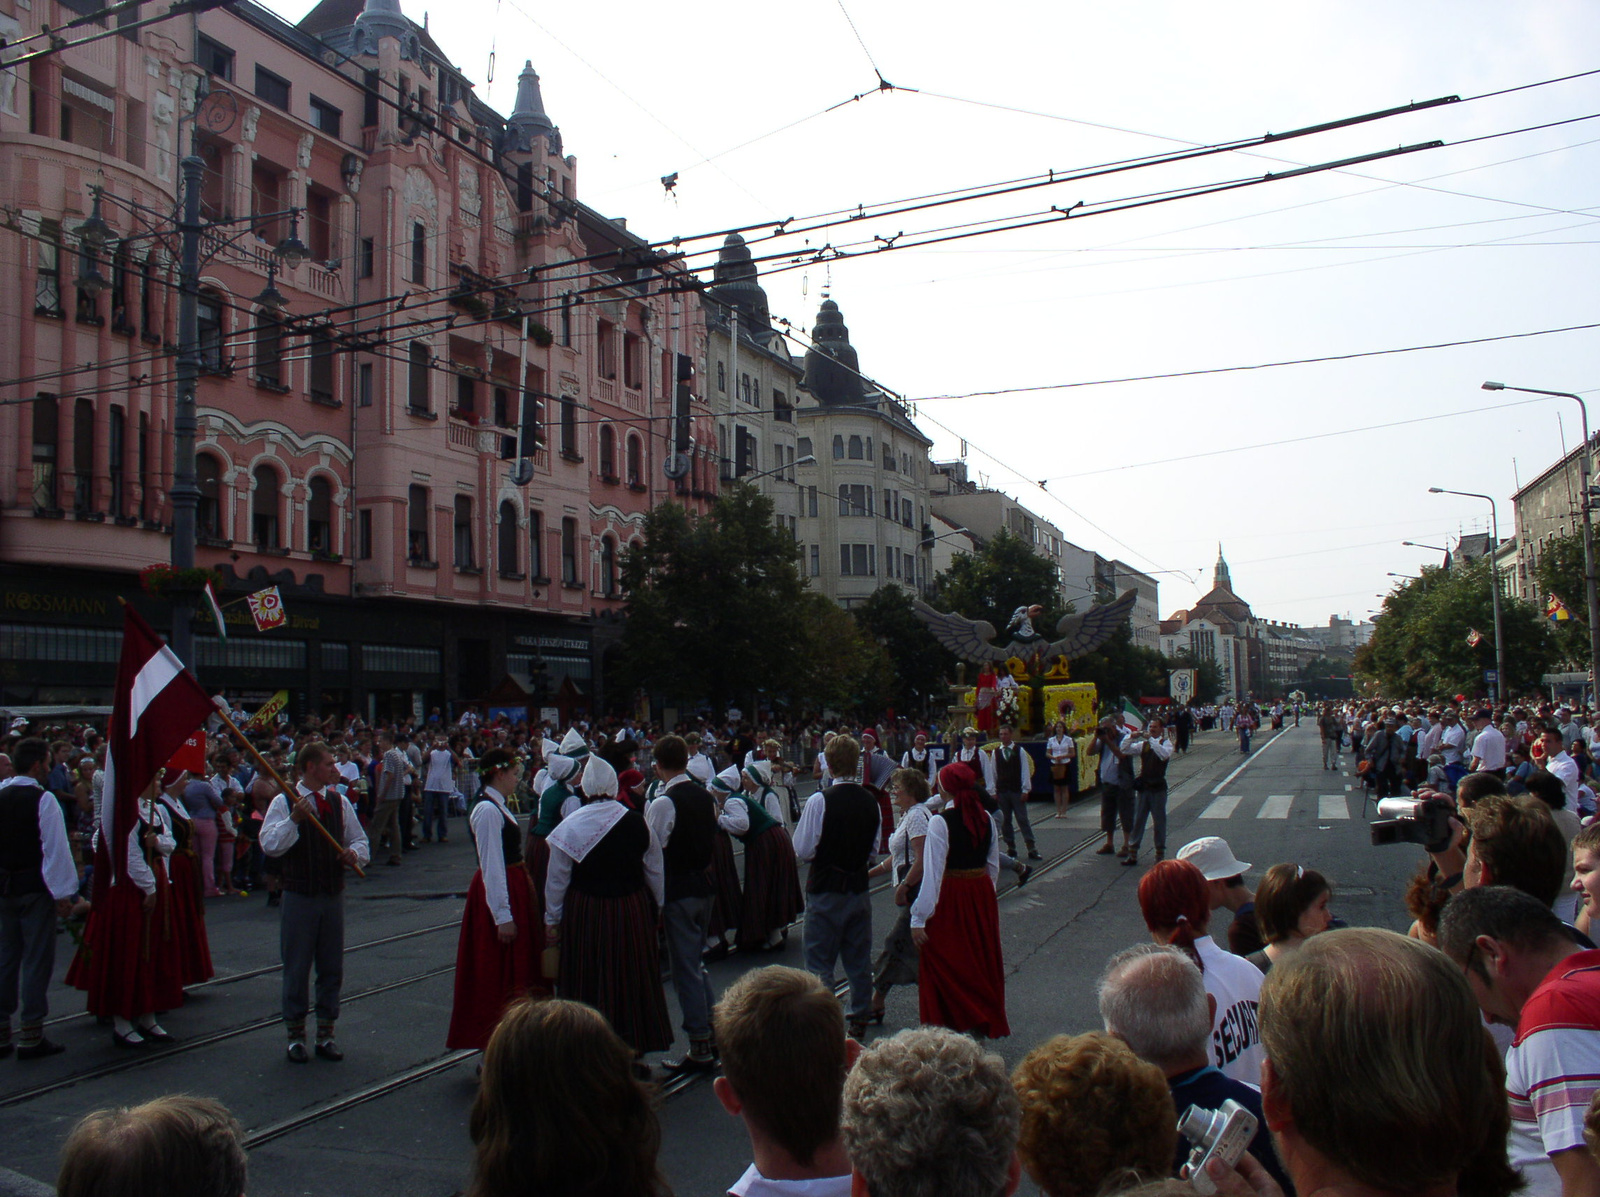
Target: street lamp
x=1592 y=592
x=1412 y=544
x=1412 y=577
x=1494 y=582
x=808 y=459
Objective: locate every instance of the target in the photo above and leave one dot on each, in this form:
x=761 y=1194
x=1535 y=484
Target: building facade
x=359 y=413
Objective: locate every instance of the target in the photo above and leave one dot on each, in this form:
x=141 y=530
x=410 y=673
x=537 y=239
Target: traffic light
x=684 y=394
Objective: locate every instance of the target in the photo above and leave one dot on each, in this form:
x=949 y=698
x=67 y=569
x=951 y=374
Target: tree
x=1559 y=572
x=1120 y=669
x=918 y=663
x=1000 y=577
x=1419 y=642
x=712 y=603
x=843 y=667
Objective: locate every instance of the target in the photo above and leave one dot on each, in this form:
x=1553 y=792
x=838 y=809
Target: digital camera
x=1424 y=821
x=1221 y=1134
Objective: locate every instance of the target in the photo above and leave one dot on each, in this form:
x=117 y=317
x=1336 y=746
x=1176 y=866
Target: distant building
x=1226 y=631
x=1547 y=508
x=1341 y=637
x=1145 y=620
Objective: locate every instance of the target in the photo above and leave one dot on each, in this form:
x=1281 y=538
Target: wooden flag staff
x=282 y=785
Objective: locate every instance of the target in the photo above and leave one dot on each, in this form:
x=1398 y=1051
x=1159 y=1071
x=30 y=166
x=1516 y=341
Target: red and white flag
x=156 y=705
x=266 y=608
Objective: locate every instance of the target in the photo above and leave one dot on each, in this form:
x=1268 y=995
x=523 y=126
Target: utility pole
x=185 y=491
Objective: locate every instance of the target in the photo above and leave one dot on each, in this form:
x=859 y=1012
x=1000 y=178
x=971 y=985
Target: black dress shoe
x=157 y=1035
x=298 y=1053
x=329 y=1050
x=691 y=1063
x=1023 y=874
x=38 y=1051
x=1033 y=854
x=132 y=1040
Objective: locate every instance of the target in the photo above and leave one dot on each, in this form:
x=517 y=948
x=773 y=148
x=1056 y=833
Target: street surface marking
x=1276 y=806
x=1347 y=789
x=1332 y=806
x=1222 y=807
x=1248 y=761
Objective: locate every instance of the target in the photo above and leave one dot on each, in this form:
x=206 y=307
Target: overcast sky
x=1463 y=242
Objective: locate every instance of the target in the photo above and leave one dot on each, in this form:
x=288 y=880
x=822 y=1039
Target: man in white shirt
x=1153 y=750
x=1452 y=745
x=792 y=1120
x=1489 y=746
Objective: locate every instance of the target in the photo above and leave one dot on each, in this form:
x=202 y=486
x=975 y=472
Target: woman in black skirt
x=772 y=898
x=601 y=897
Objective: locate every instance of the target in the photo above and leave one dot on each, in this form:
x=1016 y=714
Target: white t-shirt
x=441 y=771
x=1490 y=749
x=753 y=1184
x=1235 y=1036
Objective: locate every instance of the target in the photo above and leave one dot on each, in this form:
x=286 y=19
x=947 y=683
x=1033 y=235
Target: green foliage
x=919 y=664
x=1419 y=644
x=1560 y=572
x=712 y=603
x=1000 y=577
x=1120 y=669
x=843 y=668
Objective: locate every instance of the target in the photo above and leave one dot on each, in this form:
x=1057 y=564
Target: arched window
x=208 y=511
x=608 y=566
x=635 y=461
x=266 y=504
x=856 y=453
x=210 y=317
x=608 y=453
x=507 y=548
x=838 y=448
x=319 y=516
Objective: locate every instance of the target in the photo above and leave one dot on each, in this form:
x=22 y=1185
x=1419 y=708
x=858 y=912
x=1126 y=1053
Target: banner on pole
x=266 y=608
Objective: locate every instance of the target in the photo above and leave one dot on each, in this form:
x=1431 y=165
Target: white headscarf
x=574 y=745
x=701 y=769
x=560 y=768
x=729 y=781
x=760 y=772
x=599 y=779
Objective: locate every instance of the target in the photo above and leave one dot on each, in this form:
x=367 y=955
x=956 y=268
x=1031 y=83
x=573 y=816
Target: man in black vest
x=837 y=833
x=683 y=820
x=1008 y=773
x=1154 y=750
x=37 y=882
x=312 y=927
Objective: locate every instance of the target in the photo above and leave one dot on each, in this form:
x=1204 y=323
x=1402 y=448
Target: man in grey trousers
x=837 y=833
x=312 y=927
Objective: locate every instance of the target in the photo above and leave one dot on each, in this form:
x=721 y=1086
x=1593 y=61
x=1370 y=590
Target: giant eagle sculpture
x=1076 y=635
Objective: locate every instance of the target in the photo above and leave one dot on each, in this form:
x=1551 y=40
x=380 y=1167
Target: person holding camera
x=1116 y=786
x=1154 y=750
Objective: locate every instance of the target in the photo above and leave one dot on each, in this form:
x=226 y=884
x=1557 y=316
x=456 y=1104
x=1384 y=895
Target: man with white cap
x=1224 y=874
x=683 y=820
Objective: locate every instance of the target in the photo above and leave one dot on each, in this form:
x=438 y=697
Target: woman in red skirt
x=601 y=899
x=128 y=961
x=498 y=954
x=955 y=920
x=727 y=902
x=183 y=871
x=772 y=898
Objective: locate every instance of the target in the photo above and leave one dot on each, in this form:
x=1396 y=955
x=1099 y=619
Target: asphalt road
x=392 y=1118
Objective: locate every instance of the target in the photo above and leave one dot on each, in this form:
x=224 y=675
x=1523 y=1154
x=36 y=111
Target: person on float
x=497 y=957
x=955 y=920
x=602 y=898
x=183 y=871
x=128 y=961
x=727 y=906
x=772 y=897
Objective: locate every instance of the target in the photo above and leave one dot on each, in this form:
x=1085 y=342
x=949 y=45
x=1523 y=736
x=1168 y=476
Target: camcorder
x=1424 y=821
x=1220 y=1134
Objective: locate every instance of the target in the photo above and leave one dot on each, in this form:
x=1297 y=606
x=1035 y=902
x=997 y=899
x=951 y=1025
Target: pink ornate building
x=357 y=439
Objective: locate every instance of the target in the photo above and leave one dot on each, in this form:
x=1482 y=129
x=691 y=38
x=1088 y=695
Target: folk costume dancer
x=897 y=964
x=128 y=962
x=727 y=907
x=38 y=882
x=558 y=794
x=497 y=956
x=311 y=930
x=683 y=821
x=1008 y=776
x=772 y=897
x=601 y=898
x=921 y=758
x=183 y=872
x=837 y=834
x=955 y=920
x=873 y=772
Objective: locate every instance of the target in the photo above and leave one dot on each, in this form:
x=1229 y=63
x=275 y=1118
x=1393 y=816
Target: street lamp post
x=808 y=459
x=1414 y=544
x=1592 y=592
x=1494 y=582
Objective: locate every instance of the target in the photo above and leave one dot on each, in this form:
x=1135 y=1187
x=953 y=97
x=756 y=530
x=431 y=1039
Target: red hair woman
x=1175 y=899
x=955 y=920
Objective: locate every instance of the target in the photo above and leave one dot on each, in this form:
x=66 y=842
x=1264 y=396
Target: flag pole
x=282 y=785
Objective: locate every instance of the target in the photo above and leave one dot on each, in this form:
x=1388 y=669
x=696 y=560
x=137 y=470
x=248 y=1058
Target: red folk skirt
x=129 y=961
x=962 y=983
x=189 y=919
x=490 y=975
x=536 y=860
x=611 y=960
x=772 y=897
x=727 y=903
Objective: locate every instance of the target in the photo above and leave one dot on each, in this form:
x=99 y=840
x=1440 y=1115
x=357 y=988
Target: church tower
x=1219 y=576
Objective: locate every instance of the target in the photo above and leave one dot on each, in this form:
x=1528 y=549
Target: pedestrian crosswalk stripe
x=1332 y=806
x=1276 y=806
x=1347 y=789
x=1222 y=807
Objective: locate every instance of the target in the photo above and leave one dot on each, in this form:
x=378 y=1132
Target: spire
x=736 y=283
x=1220 y=576
x=528 y=117
x=380 y=19
x=832 y=368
